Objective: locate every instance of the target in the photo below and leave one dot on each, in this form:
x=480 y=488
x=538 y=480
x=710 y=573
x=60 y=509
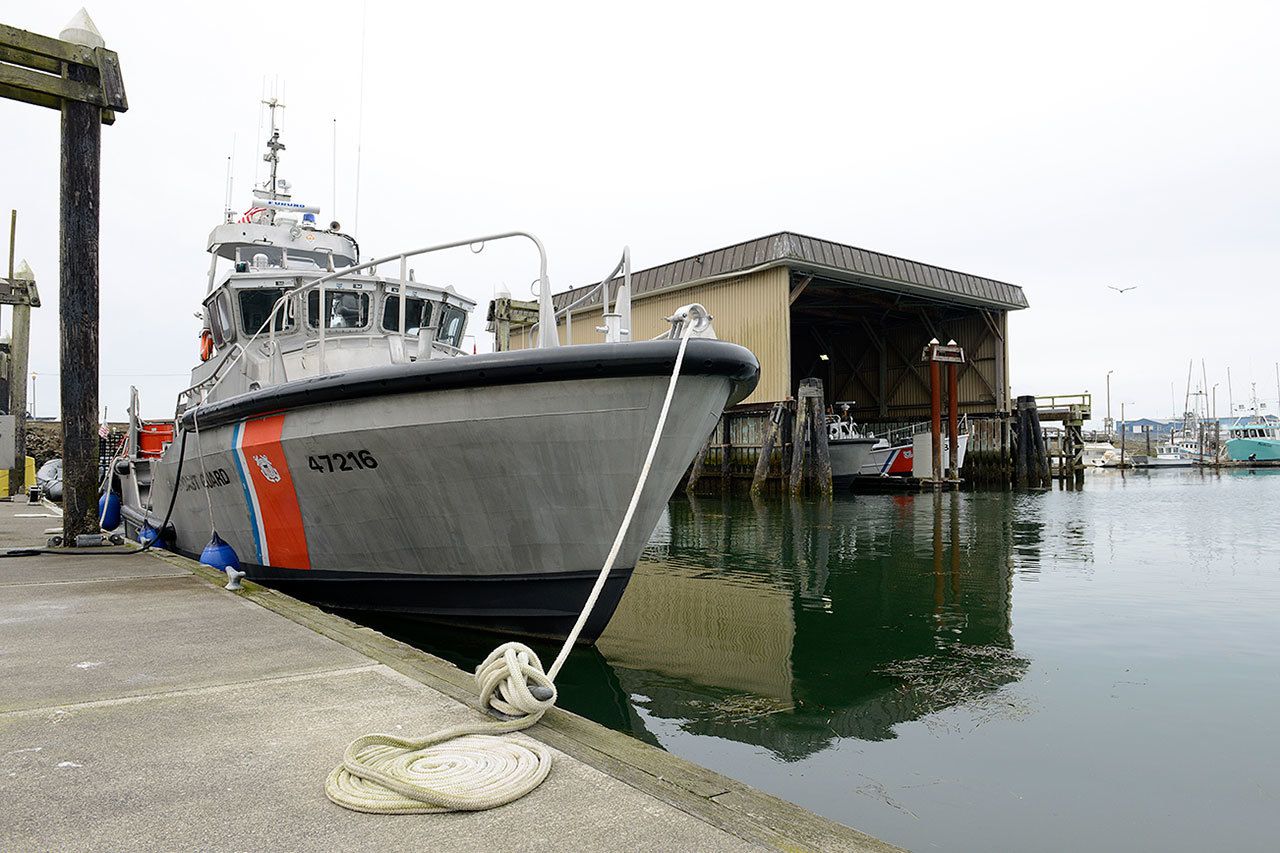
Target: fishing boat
x=339 y=439
x=1167 y=455
x=1254 y=437
x=1100 y=454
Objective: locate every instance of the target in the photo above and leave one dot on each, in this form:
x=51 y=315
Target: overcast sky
x=1059 y=147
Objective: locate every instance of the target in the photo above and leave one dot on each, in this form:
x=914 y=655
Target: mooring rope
x=465 y=767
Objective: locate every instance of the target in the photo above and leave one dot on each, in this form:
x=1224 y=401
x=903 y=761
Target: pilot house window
x=256 y=306
x=452 y=322
x=344 y=310
x=417 y=315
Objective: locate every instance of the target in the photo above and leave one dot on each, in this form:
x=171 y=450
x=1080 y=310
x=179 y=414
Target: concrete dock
x=143 y=706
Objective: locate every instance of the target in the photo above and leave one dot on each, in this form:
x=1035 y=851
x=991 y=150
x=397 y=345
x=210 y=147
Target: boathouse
x=857 y=320
x=854 y=318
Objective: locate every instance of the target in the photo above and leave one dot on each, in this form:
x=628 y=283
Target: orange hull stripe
x=277 y=497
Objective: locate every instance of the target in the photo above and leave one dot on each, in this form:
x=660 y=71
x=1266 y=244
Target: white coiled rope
x=465 y=767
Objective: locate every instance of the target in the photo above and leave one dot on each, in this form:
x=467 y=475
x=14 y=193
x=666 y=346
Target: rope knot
x=512 y=683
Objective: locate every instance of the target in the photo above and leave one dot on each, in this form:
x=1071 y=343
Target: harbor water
x=979 y=671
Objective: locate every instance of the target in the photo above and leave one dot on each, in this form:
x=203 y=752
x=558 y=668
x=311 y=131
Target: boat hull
x=542 y=605
x=490 y=504
x=848 y=457
x=1253 y=450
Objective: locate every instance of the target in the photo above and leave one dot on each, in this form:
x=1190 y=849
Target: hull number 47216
x=352 y=460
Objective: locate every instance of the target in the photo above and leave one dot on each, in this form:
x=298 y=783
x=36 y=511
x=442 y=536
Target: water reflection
x=790 y=624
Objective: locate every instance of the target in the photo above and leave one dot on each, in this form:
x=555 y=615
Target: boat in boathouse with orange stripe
x=343 y=447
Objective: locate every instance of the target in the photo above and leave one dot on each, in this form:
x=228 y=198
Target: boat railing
x=617 y=325
x=184 y=395
x=900 y=435
x=547 y=336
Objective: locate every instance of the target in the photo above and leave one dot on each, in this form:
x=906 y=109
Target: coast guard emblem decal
x=268 y=470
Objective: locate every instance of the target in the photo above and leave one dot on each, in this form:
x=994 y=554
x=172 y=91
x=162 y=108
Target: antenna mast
x=274 y=145
x=226 y=210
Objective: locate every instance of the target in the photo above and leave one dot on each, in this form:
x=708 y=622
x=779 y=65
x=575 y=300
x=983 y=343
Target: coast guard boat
x=336 y=435
x=858 y=453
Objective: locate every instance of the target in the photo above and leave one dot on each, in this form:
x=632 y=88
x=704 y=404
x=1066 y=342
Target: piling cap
x=24 y=273
x=81 y=30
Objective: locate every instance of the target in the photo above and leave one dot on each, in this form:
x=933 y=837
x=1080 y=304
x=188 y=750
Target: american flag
x=103 y=431
x=252 y=212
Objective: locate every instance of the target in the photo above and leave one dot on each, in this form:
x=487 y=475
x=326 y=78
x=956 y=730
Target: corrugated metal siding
x=753 y=311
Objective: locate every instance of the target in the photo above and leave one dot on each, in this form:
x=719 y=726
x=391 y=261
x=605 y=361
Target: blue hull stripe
x=237 y=433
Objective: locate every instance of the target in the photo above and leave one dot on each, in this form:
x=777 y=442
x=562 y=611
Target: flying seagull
x=1122 y=289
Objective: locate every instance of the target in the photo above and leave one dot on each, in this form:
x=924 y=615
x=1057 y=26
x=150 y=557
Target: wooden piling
x=726 y=445
x=78 y=308
x=80 y=78
x=810 y=455
x=822 y=452
x=799 y=436
x=771 y=430
x=699 y=464
x=1041 y=466
x=1020 y=444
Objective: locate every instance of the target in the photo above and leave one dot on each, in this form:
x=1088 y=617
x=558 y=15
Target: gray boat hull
x=848 y=456
x=491 y=505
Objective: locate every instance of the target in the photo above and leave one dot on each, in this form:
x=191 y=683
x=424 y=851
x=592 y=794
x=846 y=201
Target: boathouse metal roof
x=821 y=258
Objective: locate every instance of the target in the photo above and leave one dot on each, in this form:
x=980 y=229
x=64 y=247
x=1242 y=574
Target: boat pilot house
x=858 y=322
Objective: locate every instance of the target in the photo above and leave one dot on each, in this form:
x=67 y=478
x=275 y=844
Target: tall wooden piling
x=810 y=454
x=78 y=76
x=799 y=438
x=1031 y=456
x=78 y=310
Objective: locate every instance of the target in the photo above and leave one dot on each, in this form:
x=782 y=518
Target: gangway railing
x=1064 y=407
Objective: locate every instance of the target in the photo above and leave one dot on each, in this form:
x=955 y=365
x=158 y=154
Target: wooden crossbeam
x=33 y=69
x=15 y=56
x=44 y=47
x=24 y=79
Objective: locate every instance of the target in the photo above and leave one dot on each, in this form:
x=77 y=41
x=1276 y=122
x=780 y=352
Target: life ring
x=206 y=345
